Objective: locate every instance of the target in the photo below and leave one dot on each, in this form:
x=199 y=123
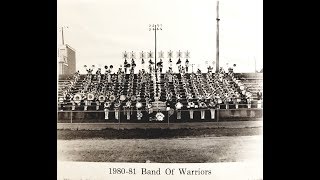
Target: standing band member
x=85 y=104
x=249 y=102
x=202 y=106
x=191 y=107
x=117 y=109
x=149 y=109
x=139 y=106
x=249 y=99
x=212 y=106
x=127 y=109
x=97 y=104
x=259 y=95
x=187 y=65
x=178 y=107
x=125 y=66
x=106 y=109
x=73 y=107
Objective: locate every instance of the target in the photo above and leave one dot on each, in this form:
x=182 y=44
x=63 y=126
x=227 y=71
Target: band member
x=202 y=106
x=127 y=109
x=149 y=107
x=178 y=107
x=249 y=102
x=226 y=103
x=187 y=65
x=125 y=66
x=106 y=109
x=170 y=77
x=212 y=106
x=88 y=101
x=143 y=63
x=60 y=103
x=99 y=78
x=160 y=65
x=97 y=104
x=191 y=107
x=85 y=104
x=259 y=95
x=117 y=109
x=73 y=107
x=150 y=65
x=139 y=113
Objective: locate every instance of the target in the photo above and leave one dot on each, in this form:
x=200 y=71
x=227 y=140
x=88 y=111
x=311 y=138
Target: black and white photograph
x=160 y=89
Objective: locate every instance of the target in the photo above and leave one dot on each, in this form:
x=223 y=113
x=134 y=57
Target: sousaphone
x=133 y=98
x=90 y=96
x=112 y=98
x=77 y=98
x=102 y=98
x=60 y=99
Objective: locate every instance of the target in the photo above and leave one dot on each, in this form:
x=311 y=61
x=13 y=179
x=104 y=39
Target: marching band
x=125 y=90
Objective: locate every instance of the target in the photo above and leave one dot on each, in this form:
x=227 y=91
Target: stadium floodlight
x=132 y=55
x=142 y=55
x=161 y=54
x=187 y=54
x=150 y=55
x=66 y=27
x=125 y=55
x=170 y=54
x=179 y=54
x=155 y=28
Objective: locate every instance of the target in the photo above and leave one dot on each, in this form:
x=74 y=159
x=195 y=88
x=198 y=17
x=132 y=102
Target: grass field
x=155 y=133
x=172 y=150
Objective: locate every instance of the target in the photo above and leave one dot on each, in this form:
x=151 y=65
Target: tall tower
x=217 y=50
x=66 y=57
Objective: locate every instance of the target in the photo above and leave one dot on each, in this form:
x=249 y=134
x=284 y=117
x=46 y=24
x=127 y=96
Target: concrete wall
x=67 y=55
x=221 y=115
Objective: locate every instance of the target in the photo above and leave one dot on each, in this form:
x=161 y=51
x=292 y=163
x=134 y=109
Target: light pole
x=62 y=33
x=155 y=28
x=217 y=50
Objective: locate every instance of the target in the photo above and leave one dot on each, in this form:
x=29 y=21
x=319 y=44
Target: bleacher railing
x=222 y=113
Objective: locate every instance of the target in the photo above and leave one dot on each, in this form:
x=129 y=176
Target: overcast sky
x=101 y=30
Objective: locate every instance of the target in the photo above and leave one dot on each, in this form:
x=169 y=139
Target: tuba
x=102 y=98
x=191 y=104
x=133 y=98
x=112 y=98
x=77 y=98
x=107 y=104
x=90 y=96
